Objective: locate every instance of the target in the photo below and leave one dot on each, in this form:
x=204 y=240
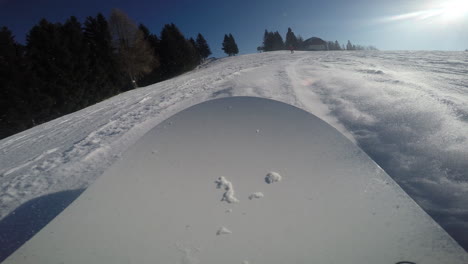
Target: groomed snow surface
x=407 y=110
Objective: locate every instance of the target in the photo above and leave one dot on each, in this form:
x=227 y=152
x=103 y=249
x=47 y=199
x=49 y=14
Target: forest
x=273 y=41
x=64 y=67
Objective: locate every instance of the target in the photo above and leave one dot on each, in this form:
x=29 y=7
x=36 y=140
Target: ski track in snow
x=407 y=110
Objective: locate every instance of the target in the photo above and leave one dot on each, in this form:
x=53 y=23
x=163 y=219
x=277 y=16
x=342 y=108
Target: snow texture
x=273 y=177
x=111 y=217
x=256 y=195
x=407 y=110
x=188 y=254
x=223 y=231
x=228 y=196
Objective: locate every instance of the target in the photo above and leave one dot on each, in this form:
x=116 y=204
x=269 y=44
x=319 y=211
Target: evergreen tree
x=226 y=45
x=195 y=52
x=44 y=51
x=58 y=58
x=16 y=95
x=333 y=45
x=202 y=47
x=74 y=66
x=106 y=79
x=267 y=41
x=229 y=45
x=291 y=40
x=135 y=53
x=233 y=44
x=349 y=46
x=272 y=41
x=8 y=70
x=151 y=38
x=337 y=45
x=278 y=43
x=177 y=53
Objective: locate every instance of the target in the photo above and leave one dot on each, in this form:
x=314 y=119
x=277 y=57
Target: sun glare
x=444 y=12
x=455 y=9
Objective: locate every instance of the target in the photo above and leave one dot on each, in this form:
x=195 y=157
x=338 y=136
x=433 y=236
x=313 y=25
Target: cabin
x=315 y=43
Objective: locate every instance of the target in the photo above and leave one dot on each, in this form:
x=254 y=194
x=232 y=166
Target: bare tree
x=136 y=56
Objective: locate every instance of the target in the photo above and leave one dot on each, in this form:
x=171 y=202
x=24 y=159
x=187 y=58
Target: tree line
x=274 y=41
x=64 y=67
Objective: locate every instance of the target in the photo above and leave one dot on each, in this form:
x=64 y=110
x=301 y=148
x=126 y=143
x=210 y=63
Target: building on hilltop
x=315 y=43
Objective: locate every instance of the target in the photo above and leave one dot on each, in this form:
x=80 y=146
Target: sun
x=456 y=9
x=447 y=11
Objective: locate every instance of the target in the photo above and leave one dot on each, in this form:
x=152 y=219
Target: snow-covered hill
x=407 y=110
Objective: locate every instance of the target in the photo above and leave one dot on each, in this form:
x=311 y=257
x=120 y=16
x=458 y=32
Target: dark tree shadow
x=28 y=219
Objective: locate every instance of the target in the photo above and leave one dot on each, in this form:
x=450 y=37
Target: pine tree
x=233 y=45
x=291 y=40
x=229 y=45
x=267 y=41
x=337 y=45
x=177 y=53
x=106 y=79
x=278 y=43
x=135 y=53
x=8 y=69
x=226 y=45
x=272 y=41
x=202 y=47
x=195 y=53
x=151 y=38
x=16 y=95
x=44 y=51
x=333 y=45
x=74 y=66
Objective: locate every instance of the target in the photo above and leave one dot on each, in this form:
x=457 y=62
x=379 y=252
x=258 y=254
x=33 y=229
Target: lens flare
x=455 y=9
x=444 y=12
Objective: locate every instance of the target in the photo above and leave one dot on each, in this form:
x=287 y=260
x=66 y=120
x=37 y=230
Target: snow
x=256 y=195
x=223 y=231
x=273 y=177
x=166 y=208
x=407 y=110
x=228 y=195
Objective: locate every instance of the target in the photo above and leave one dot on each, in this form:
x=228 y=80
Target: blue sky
x=388 y=25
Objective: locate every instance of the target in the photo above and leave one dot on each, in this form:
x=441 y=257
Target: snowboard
x=242 y=180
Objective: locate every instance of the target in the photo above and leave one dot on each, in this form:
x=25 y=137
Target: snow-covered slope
x=407 y=110
x=205 y=187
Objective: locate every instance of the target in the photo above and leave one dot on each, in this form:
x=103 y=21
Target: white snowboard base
x=243 y=180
